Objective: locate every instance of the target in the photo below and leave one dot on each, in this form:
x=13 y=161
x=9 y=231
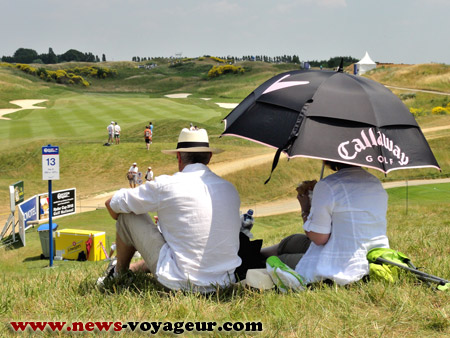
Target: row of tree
x=333 y=62
x=26 y=55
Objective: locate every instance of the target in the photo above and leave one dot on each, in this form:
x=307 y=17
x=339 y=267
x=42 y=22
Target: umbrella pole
x=323 y=169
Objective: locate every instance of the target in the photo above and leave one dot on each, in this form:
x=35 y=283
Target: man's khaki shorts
x=140 y=232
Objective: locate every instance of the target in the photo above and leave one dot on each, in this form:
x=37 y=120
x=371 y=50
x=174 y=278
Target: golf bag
x=385 y=263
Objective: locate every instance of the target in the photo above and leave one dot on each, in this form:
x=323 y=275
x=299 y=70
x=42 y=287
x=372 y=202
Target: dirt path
x=261 y=209
x=418 y=90
x=291 y=204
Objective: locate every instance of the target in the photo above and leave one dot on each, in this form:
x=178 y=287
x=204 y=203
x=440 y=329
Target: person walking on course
x=132 y=175
x=196 y=248
x=110 y=129
x=148 y=136
x=151 y=127
x=149 y=174
x=117 y=133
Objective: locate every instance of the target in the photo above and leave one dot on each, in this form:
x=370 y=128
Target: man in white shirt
x=149 y=174
x=132 y=175
x=110 y=129
x=197 y=245
x=117 y=133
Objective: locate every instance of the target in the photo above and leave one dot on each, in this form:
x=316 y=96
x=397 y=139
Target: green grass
x=76 y=120
x=424 y=76
x=405 y=309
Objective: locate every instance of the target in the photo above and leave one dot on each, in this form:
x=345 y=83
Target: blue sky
x=397 y=31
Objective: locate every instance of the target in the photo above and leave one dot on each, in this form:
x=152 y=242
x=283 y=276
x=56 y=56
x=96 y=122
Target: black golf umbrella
x=332 y=116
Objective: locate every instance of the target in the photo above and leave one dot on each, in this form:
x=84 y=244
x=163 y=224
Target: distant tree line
x=26 y=55
x=333 y=62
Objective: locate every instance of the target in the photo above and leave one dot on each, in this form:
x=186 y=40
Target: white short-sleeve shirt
x=350 y=205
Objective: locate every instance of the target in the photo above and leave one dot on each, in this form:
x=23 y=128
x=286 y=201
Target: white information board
x=50 y=163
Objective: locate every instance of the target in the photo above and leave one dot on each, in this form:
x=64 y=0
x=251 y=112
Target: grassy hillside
x=374 y=309
x=76 y=120
x=434 y=76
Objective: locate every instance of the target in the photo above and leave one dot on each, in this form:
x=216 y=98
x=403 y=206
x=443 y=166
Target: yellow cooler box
x=69 y=243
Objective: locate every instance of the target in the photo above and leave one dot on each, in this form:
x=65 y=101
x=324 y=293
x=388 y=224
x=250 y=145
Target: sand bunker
x=227 y=105
x=23 y=104
x=185 y=95
x=177 y=96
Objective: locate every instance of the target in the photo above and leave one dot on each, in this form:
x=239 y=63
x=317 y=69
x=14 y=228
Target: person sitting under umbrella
x=344 y=220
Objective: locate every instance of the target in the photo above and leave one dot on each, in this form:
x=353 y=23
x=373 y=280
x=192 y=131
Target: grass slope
x=405 y=309
x=76 y=120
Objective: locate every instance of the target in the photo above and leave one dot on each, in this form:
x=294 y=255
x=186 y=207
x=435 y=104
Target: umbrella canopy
x=332 y=116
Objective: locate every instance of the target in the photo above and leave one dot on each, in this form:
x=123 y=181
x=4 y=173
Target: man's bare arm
x=113 y=214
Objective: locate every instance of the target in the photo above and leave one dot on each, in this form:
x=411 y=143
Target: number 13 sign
x=50 y=163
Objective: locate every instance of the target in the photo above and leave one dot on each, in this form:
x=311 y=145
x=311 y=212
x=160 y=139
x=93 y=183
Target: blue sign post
x=50 y=171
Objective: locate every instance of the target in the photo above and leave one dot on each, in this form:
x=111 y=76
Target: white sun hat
x=194 y=141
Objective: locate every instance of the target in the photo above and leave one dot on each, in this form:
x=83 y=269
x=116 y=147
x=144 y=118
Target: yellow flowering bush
x=217 y=59
x=216 y=71
x=26 y=68
x=439 y=111
x=69 y=76
x=416 y=112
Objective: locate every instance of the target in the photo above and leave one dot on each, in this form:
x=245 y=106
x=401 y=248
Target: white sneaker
x=283 y=276
x=110 y=272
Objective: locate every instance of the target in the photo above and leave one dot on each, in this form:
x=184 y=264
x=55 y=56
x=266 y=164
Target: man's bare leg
x=124 y=255
x=140 y=266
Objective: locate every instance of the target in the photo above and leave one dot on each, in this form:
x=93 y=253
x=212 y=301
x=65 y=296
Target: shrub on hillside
x=69 y=76
x=417 y=112
x=407 y=96
x=59 y=76
x=227 y=69
x=439 y=111
x=94 y=71
x=26 y=68
x=218 y=59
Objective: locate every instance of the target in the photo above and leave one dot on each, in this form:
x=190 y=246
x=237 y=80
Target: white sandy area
x=177 y=96
x=185 y=95
x=23 y=104
x=227 y=105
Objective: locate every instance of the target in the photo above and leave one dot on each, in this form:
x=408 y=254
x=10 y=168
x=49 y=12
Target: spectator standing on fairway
x=110 y=129
x=148 y=137
x=196 y=248
x=151 y=127
x=117 y=133
x=132 y=175
x=149 y=174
